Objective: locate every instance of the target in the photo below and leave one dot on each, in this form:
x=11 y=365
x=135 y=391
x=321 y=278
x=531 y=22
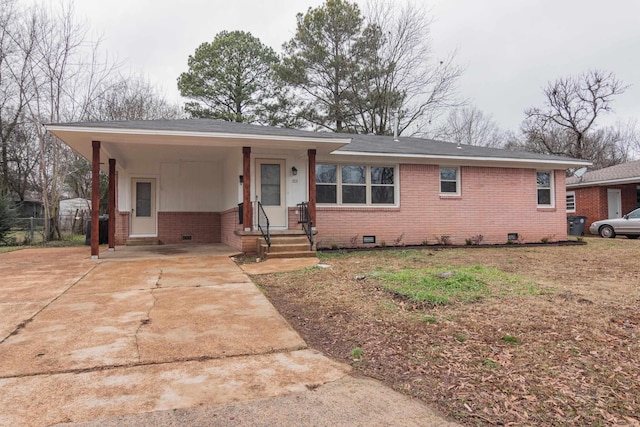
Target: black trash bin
x=103 y=231
x=575 y=225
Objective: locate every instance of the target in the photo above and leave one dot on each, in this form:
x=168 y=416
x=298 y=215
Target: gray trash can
x=575 y=225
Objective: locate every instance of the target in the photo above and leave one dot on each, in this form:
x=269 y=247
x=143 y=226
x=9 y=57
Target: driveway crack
x=147 y=319
x=30 y=319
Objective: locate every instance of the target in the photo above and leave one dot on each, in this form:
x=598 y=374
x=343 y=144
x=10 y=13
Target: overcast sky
x=510 y=49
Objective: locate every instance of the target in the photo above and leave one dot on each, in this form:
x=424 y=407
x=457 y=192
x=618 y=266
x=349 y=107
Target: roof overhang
x=505 y=162
x=603 y=183
x=123 y=143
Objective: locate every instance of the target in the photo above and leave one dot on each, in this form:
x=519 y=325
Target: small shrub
x=510 y=242
x=356 y=353
x=545 y=240
x=444 y=239
x=580 y=238
x=335 y=246
x=354 y=241
x=468 y=242
x=383 y=244
x=425 y=242
x=477 y=239
x=7 y=217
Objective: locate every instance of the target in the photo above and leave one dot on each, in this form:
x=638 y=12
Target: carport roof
x=625 y=173
x=210 y=132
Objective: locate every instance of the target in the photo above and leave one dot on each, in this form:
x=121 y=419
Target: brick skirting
x=189 y=227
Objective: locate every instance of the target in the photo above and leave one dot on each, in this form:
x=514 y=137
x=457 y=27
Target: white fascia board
x=155 y=132
x=565 y=164
x=605 y=182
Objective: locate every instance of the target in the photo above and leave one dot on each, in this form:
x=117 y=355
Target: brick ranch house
x=182 y=181
x=604 y=193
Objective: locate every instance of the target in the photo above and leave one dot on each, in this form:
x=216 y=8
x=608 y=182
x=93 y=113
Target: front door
x=270 y=190
x=614 y=201
x=143 y=211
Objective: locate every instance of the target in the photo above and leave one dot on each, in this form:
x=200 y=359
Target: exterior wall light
x=294 y=171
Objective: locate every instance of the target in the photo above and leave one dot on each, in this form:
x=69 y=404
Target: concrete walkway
x=168 y=336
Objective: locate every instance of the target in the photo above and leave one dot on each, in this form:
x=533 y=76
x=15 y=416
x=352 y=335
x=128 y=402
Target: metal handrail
x=263 y=221
x=305 y=220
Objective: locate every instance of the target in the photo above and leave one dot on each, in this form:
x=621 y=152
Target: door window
x=270 y=184
x=143 y=199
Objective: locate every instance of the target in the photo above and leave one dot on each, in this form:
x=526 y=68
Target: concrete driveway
x=138 y=335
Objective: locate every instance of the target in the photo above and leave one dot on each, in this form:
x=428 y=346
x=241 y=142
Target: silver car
x=628 y=225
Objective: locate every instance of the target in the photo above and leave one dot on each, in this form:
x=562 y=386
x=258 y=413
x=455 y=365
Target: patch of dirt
x=577 y=356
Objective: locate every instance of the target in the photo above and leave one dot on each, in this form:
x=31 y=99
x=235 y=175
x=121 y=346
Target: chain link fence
x=31 y=231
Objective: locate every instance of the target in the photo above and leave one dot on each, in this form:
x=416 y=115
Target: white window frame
x=368 y=185
x=571 y=195
x=458 y=181
x=552 y=196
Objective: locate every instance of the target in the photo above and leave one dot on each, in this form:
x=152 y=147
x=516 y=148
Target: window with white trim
x=355 y=184
x=544 y=180
x=571 y=201
x=326 y=184
x=449 y=181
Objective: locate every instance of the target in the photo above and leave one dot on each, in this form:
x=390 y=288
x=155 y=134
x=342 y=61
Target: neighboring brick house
x=205 y=180
x=604 y=193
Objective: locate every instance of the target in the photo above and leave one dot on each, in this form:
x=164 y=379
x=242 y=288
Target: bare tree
x=471 y=126
x=127 y=98
x=408 y=79
x=65 y=75
x=567 y=123
x=22 y=157
x=132 y=98
x=15 y=54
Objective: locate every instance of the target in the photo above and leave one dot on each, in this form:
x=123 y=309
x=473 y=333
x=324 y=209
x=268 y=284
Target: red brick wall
x=229 y=224
x=629 y=198
x=493 y=203
x=203 y=227
x=294 y=216
x=122 y=227
x=593 y=202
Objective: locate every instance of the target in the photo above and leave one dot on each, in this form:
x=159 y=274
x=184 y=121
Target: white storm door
x=143 y=211
x=270 y=190
x=614 y=201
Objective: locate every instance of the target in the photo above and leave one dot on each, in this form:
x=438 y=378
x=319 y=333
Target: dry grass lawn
x=555 y=343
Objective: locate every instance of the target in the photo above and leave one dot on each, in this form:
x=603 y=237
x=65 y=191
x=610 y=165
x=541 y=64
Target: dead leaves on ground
x=575 y=354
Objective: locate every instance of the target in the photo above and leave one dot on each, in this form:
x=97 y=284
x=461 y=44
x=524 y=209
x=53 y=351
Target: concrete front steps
x=142 y=241
x=289 y=245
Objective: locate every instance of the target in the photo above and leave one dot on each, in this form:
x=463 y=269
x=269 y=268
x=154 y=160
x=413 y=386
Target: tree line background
x=346 y=69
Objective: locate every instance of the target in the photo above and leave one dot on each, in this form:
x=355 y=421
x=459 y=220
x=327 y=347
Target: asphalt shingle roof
x=369 y=144
x=624 y=171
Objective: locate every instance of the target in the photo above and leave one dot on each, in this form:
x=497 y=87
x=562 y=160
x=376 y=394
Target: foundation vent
x=186 y=237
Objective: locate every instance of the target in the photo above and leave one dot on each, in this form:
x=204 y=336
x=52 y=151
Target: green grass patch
x=404 y=254
x=510 y=339
x=442 y=285
x=356 y=353
x=490 y=363
x=5 y=249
